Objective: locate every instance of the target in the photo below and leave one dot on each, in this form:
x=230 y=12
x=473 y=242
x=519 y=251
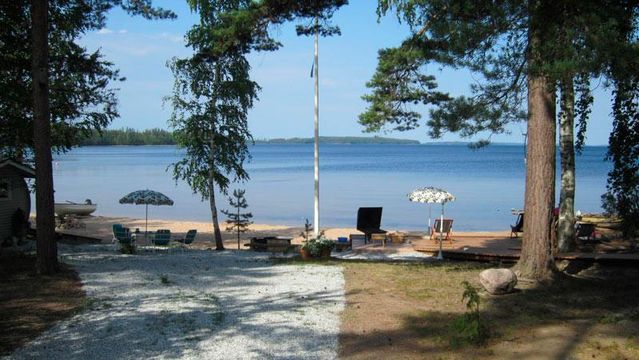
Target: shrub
x=127 y=248
x=469 y=327
x=315 y=246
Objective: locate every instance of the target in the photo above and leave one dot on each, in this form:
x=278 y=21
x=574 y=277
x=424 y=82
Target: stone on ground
x=498 y=281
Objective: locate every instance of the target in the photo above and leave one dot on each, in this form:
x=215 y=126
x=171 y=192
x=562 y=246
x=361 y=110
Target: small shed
x=14 y=194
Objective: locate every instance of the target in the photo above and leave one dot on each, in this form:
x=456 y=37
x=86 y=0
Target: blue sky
x=141 y=48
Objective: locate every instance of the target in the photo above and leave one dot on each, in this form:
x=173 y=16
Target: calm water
x=487 y=182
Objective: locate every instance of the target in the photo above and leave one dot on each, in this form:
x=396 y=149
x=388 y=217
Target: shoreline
x=100 y=227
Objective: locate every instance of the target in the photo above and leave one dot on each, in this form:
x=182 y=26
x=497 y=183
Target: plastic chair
x=188 y=239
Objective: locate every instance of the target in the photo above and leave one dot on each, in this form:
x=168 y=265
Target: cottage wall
x=19 y=198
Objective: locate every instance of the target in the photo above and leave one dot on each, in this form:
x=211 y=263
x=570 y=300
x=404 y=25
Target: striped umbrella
x=146 y=197
x=432 y=195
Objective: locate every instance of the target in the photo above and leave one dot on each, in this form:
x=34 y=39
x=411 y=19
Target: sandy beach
x=417 y=245
x=100 y=227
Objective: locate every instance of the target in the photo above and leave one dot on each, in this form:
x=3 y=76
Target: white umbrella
x=432 y=195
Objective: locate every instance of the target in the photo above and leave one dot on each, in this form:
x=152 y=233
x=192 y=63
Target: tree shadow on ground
x=222 y=301
x=404 y=312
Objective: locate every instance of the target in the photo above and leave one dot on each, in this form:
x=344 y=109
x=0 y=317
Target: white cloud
x=122 y=31
x=105 y=31
x=171 y=37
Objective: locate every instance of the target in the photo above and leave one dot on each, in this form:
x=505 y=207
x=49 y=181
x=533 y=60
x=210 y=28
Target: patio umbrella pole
x=430 y=215
x=146 y=197
x=146 y=222
x=431 y=195
x=440 y=256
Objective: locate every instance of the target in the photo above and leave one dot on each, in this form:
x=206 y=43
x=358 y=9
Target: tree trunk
x=47 y=257
x=217 y=234
x=566 y=222
x=536 y=261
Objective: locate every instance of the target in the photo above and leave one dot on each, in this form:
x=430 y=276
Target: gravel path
x=196 y=305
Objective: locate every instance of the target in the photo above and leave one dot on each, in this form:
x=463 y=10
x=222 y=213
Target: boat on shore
x=71 y=208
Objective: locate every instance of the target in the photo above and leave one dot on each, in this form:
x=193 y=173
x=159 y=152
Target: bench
x=270 y=243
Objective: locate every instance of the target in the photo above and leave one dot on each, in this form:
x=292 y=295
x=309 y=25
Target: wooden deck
x=500 y=247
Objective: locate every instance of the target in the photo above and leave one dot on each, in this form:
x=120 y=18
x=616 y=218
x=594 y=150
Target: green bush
x=127 y=248
x=315 y=246
x=469 y=327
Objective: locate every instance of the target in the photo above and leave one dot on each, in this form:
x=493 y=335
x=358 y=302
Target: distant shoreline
x=132 y=137
x=164 y=137
x=340 y=140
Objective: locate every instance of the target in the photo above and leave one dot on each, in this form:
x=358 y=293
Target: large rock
x=498 y=281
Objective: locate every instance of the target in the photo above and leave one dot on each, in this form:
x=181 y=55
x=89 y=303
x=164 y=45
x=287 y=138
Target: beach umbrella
x=433 y=195
x=146 y=197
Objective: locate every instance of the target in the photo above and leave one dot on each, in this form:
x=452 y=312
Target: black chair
x=368 y=221
x=518 y=227
x=585 y=231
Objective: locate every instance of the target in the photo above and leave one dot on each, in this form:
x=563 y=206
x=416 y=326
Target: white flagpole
x=316 y=215
x=440 y=256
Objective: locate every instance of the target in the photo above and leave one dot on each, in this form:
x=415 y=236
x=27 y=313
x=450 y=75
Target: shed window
x=5 y=190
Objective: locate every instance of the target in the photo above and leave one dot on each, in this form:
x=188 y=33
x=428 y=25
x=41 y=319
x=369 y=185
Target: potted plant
x=319 y=247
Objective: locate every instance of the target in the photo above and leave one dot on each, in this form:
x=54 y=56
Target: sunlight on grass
x=416 y=306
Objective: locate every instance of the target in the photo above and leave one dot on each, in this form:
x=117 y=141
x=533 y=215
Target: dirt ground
x=404 y=311
x=29 y=304
x=400 y=311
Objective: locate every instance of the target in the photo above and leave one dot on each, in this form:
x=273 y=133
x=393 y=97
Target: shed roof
x=23 y=169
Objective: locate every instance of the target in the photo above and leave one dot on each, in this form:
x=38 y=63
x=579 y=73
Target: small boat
x=71 y=208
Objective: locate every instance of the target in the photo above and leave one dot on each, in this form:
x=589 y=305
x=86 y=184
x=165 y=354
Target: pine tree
x=70 y=91
x=213 y=91
x=238 y=221
x=519 y=50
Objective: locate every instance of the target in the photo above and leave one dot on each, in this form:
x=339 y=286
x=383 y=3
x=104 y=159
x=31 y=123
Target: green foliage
x=319 y=245
x=211 y=99
x=213 y=90
x=469 y=327
x=82 y=95
x=471 y=296
x=129 y=136
x=127 y=248
x=164 y=279
x=491 y=40
x=622 y=196
x=242 y=26
x=238 y=221
x=308 y=227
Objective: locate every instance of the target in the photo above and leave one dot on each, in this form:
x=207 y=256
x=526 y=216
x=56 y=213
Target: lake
x=487 y=182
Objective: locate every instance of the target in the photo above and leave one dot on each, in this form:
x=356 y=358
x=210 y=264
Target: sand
x=100 y=227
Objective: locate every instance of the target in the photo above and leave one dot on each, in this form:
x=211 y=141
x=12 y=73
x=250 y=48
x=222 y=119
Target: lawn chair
x=518 y=227
x=368 y=221
x=188 y=239
x=121 y=234
x=585 y=231
x=447 y=229
x=162 y=237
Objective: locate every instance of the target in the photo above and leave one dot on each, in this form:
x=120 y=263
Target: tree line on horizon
x=129 y=136
x=157 y=136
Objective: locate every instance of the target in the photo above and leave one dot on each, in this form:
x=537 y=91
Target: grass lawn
x=29 y=304
x=405 y=311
